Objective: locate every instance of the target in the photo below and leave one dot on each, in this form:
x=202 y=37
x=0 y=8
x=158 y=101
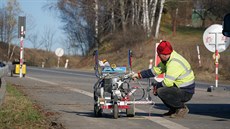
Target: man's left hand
x=136 y=76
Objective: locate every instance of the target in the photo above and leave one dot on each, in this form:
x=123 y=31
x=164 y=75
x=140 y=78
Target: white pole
x=150 y=67
x=21 y=52
x=216 y=56
x=66 y=63
x=43 y=64
x=58 y=62
x=198 y=52
x=150 y=63
x=216 y=62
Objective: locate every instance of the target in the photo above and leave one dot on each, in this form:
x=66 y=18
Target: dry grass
x=184 y=42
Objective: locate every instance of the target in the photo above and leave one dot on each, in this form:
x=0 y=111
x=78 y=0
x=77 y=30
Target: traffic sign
x=214 y=39
x=59 y=52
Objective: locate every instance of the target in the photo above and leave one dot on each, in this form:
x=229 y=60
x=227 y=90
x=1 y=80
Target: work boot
x=170 y=112
x=180 y=113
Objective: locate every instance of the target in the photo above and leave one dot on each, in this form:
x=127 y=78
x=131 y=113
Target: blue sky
x=42 y=18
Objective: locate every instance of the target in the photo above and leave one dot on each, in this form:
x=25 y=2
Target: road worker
x=178 y=84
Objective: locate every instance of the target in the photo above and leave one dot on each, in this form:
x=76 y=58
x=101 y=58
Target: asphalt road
x=69 y=93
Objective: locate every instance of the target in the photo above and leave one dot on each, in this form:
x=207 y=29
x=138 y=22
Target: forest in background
x=114 y=26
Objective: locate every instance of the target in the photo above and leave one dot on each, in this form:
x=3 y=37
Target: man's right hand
x=154 y=84
x=155 y=90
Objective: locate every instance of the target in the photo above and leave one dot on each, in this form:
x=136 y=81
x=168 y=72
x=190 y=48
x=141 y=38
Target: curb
x=2 y=91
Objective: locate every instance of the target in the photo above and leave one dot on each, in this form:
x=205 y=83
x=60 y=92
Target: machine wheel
x=130 y=112
x=115 y=111
x=97 y=111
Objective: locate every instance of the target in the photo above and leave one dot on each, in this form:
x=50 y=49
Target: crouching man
x=178 y=85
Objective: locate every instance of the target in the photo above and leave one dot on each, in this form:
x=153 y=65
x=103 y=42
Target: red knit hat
x=164 y=48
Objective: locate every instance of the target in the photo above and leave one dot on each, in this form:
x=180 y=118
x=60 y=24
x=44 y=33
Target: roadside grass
x=19 y=112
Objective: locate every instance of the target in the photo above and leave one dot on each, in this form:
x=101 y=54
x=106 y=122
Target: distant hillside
x=115 y=48
x=184 y=42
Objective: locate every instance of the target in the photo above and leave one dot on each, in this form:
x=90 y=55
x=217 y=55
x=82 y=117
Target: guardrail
x=3 y=72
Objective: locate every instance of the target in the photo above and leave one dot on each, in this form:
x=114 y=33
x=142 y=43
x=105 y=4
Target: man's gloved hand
x=154 y=82
x=155 y=90
x=156 y=85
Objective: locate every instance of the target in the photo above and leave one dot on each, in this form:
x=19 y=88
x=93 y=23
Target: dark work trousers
x=173 y=97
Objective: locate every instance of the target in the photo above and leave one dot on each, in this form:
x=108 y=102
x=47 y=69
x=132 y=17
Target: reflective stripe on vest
x=181 y=85
x=187 y=83
x=188 y=72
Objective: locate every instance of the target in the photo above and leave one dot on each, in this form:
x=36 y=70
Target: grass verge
x=19 y=112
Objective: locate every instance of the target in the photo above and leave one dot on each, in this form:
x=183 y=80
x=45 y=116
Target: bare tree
x=212 y=10
x=48 y=38
x=34 y=40
x=2 y=24
x=8 y=24
x=86 y=21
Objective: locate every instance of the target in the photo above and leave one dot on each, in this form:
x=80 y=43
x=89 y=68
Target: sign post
x=59 y=53
x=215 y=42
x=21 y=35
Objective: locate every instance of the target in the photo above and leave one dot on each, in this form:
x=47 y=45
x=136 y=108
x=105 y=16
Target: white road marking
x=79 y=91
x=159 y=120
x=44 y=81
x=65 y=72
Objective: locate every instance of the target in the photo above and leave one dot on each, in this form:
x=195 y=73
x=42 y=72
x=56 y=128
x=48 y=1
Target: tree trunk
x=174 y=23
x=8 y=52
x=96 y=23
x=133 y=12
x=159 y=19
x=144 y=15
x=123 y=21
x=12 y=53
x=113 y=18
x=147 y=18
x=153 y=10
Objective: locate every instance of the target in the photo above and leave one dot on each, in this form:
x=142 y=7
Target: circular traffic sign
x=59 y=52
x=214 y=39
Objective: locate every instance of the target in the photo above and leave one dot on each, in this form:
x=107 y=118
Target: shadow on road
x=214 y=110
